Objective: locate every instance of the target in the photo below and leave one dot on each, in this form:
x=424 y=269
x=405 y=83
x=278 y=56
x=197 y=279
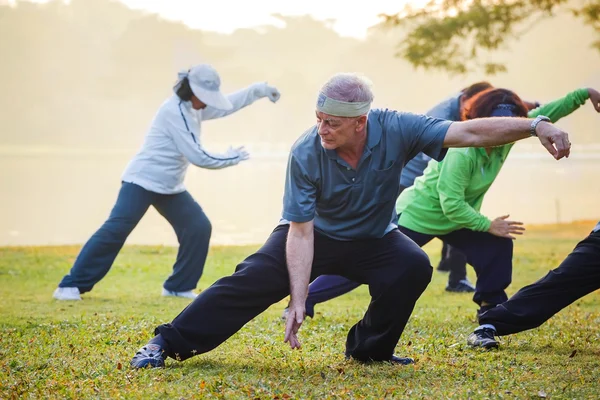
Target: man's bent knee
x=419 y=267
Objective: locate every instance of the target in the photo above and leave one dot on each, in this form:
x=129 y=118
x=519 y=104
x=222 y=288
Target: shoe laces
x=486 y=333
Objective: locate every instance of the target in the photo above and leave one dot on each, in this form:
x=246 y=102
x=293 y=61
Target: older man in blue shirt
x=341 y=186
x=327 y=287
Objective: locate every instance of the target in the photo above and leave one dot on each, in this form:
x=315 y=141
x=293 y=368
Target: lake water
x=63 y=196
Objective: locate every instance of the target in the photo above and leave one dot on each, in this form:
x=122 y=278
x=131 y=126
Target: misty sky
x=217 y=16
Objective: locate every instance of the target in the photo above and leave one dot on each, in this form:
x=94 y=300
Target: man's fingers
x=514 y=222
x=548 y=145
x=567 y=144
x=293 y=341
x=504 y=216
x=563 y=146
x=560 y=149
x=296 y=327
x=286 y=338
x=289 y=324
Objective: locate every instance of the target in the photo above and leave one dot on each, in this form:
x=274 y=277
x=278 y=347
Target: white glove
x=239 y=152
x=272 y=93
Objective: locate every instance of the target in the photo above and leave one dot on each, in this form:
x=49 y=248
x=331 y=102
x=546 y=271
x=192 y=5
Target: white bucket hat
x=205 y=83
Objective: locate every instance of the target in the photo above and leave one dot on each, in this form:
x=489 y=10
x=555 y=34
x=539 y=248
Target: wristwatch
x=535 y=123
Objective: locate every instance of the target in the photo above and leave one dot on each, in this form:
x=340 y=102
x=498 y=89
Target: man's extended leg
x=531 y=306
x=226 y=306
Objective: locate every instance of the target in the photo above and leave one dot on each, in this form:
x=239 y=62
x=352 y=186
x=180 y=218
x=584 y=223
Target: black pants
x=454 y=261
x=395 y=268
x=490 y=256
x=577 y=275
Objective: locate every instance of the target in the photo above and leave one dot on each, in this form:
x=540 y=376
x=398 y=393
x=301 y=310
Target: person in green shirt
x=446 y=201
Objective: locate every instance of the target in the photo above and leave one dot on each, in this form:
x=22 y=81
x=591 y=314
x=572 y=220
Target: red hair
x=482 y=104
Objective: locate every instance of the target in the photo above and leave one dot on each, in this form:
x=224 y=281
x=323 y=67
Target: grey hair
x=350 y=87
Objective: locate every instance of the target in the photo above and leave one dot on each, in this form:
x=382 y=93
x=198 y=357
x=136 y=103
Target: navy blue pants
x=327 y=287
x=577 y=276
x=454 y=261
x=490 y=256
x=395 y=268
x=191 y=225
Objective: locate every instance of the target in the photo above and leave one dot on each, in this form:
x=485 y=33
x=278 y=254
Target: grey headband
x=339 y=108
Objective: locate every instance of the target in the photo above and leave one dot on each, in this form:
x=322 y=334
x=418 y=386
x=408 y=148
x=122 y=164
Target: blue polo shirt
x=448 y=109
x=349 y=204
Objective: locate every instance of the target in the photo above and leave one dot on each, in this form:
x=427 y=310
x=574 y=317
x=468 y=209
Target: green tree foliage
x=452 y=35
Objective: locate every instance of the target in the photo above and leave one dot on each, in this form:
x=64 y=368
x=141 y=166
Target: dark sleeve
x=300 y=193
x=421 y=133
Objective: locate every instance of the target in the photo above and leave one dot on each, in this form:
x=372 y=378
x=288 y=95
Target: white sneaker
x=188 y=295
x=67 y=293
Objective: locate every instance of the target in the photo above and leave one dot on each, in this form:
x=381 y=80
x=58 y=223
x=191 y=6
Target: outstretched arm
x=243 y=98
x=564 y=106
x=490 y=132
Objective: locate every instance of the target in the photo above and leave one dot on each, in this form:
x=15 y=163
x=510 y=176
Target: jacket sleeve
x=562 y=107
x=239 y=100
x=188 y=143
x=455 y=175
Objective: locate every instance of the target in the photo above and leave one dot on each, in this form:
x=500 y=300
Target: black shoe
x=152 y=355
x=483 y=337
x=402 y=360
x=462 y=286
x=394 y=360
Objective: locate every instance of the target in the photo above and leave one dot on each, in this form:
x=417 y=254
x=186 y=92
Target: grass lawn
x=51 y=349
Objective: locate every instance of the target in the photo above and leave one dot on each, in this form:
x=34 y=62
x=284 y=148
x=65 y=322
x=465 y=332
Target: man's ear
x=361 y=122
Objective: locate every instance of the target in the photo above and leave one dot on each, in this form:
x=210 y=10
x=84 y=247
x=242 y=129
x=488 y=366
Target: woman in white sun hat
x=155 y=177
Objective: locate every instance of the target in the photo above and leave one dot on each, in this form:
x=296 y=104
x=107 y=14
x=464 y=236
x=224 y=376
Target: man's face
x=335 y=132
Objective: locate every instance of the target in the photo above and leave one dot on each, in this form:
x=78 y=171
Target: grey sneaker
x=151 y=355
x=483 y=337
x=462 y=286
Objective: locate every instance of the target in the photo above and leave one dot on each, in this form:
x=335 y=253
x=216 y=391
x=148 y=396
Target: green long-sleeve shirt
x=449 y=195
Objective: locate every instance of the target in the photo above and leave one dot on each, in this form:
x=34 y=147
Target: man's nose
x=322 y=130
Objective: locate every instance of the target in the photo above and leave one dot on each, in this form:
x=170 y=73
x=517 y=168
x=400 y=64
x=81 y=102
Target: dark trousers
x=327 y=287
x=396 y=270
x=577 y=275
x=490 y=256
x=191 y=225
x=455 y=261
